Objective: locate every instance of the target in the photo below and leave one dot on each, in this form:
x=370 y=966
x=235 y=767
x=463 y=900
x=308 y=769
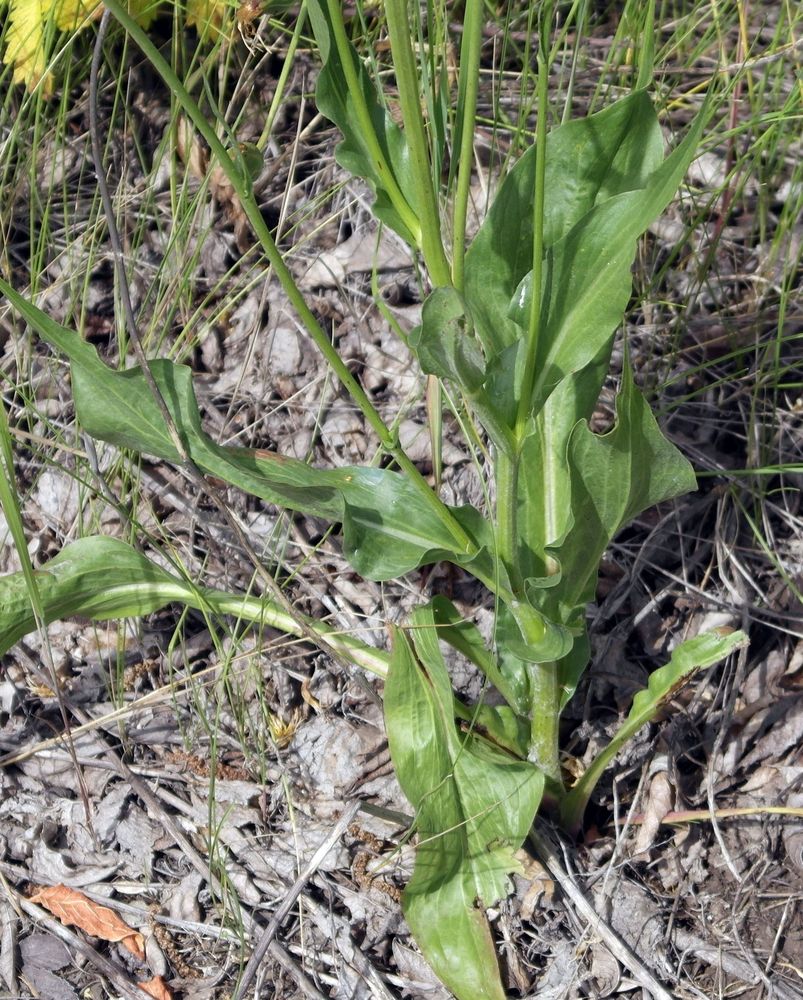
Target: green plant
x=521 y=326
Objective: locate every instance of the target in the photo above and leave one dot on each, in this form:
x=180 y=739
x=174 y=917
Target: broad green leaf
x=588 y=161
x=387 y=528
x=545 y=491
x=96 y=578
x=474 y=806
x=614 y=477
x=390 y=170
x=502 y=377
x=689 y=657
x=587 y=281
x=102 y=578
x=446 y=346
x=503 y=727
x=465 y=637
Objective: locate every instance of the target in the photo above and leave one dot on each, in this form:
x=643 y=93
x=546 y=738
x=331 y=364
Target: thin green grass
x=65 y=225
x=761 y=151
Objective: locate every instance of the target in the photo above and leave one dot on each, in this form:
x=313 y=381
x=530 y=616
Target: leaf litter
x=73 y=907
x=260 y=841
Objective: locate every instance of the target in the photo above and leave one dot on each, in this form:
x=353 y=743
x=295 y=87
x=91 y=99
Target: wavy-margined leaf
x=387 y=528
x=588 y=161
x=335 y=100
x=614 y=477
x=474 y=806
x=695 y=654
x=102 y=578
x=96 y=578
x=587 y=278
x=445 y=345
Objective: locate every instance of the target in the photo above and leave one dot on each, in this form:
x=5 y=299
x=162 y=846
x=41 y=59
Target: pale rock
x=285 y=353
x=56 y=495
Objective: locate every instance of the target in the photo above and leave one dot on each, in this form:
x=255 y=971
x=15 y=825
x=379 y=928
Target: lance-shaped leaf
x=101 y=578
x=388 y=529
x=474 y=806
x=588 y=161
x=96 y=578
x=587 y=281
x=614 y=477
x=689 y=657
x=373 y=146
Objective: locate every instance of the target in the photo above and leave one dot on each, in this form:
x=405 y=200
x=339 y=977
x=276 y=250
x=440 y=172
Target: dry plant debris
x=73 y=908
x=716 y=893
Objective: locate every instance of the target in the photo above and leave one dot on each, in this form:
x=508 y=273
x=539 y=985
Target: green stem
x=531 y=347
x=427 y=207
x=545 y=705
x=235 y=172
x=287 y=66
x=507 y=487
x=467 y=113
x=367 y=128
x=508 y=464
x=434 y=396
x=574 y=804
x=265 y=612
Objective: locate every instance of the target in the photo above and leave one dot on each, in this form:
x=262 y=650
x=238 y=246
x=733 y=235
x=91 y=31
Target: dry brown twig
x=288 y=902
x=612 y=941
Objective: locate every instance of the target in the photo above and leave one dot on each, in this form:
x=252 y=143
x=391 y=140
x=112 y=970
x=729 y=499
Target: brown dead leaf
x=73 y=907
x=223 y=192
x=190 y=149
x=157 y=988
x=541 y=888
x=660 y=801
x=605 y=971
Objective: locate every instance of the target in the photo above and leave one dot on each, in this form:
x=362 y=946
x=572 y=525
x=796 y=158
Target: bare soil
x=192 y=770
